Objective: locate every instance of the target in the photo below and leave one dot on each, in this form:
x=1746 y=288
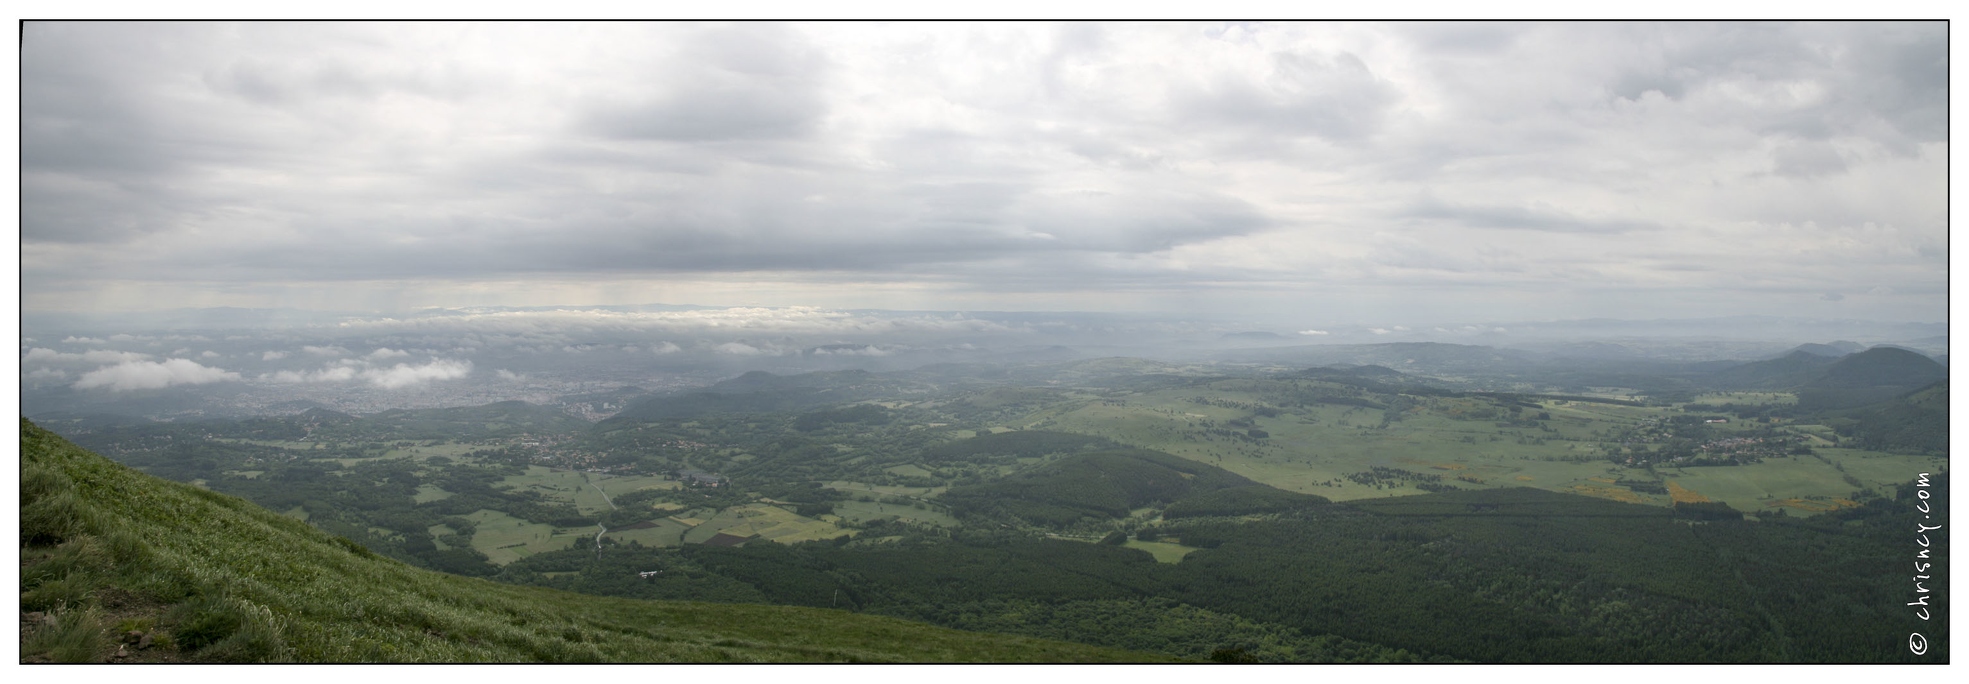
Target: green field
x=1164 y=552
x=504 y=538
x=1312 y=449
x=428 y=493
x=863 y=511
x=666 y=533
x=567 y=486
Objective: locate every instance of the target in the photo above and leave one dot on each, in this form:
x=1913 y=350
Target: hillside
x=1874 y=375
x=206 y=577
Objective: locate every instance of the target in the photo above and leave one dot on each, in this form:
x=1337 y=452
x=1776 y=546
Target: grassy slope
x=225 y=580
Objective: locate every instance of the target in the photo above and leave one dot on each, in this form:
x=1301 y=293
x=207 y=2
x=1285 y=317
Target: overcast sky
x=1302 y=173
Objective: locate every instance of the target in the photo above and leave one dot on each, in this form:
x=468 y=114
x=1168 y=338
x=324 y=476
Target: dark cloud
x=719 y=84
x=1534 y=217
x=404 y=164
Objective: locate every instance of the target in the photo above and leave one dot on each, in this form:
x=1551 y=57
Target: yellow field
x=1682 y=495
x=1620 y=494
x=1814 y=505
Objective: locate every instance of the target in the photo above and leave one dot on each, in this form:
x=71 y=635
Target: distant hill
x=1254 y=336
x=1913 y=422
x=1874 y=375
x=1786 y=372
x=1834 y=350
x=206 y=577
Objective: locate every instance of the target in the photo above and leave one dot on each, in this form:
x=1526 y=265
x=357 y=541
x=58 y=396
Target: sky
x=1307 y=174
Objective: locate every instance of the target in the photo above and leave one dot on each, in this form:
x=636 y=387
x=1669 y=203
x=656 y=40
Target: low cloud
x=850 y=350
x=405 y=375
x=509 y=376
x=665 y=348
x=42 y=355
x=387 y=353
x=739 y=349
x=140 y=375
x=1314 y=332
x=331 y=374
x=273 y=356
x=82 y=340
x=325 y=351
x=395 y=377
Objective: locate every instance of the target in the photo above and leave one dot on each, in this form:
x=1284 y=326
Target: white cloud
x=405 y=375
x=325 y=351
x=867 y=350
x=1379 y=331
x=273 y=356
x=665 y=348
x=738 y=349
x=136 y=375
x=43 y=374
x=95 y=356
x=509 y=376
x=341 y=373
x=210 y=354
x=387 y=353
x=82 y=340
x=1313 y=332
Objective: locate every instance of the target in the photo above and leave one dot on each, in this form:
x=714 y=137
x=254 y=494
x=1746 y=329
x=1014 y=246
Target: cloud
x=1831 y=297
x=739 y=349
x=405 y=375
x=209 y=354
x=1313 y=332
x=1535 y=216
x=82 y=340
x=661 y=348
x=386 y=353
x=983 y=166
x=138 y=375
x=325 y=351
x=852 y=350
x=509 y=376
x=42 y=355
x=329 y=374
x=273 y=356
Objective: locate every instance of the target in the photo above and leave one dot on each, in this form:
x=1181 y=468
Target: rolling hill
x=204 y=577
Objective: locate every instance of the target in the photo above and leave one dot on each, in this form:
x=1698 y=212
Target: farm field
x=504 y=538
x=566 y=486
x=665 y=532
x=1313 y=449
x=427 y=493
x=1164 y=552
x=863 y=511
x=620 y=485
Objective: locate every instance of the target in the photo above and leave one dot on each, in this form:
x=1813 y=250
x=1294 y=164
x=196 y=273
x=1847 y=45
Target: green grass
x=229 y=581
x=504 y=538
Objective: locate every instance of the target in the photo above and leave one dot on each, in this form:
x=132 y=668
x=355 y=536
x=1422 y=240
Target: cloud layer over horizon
x=1445 y=172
